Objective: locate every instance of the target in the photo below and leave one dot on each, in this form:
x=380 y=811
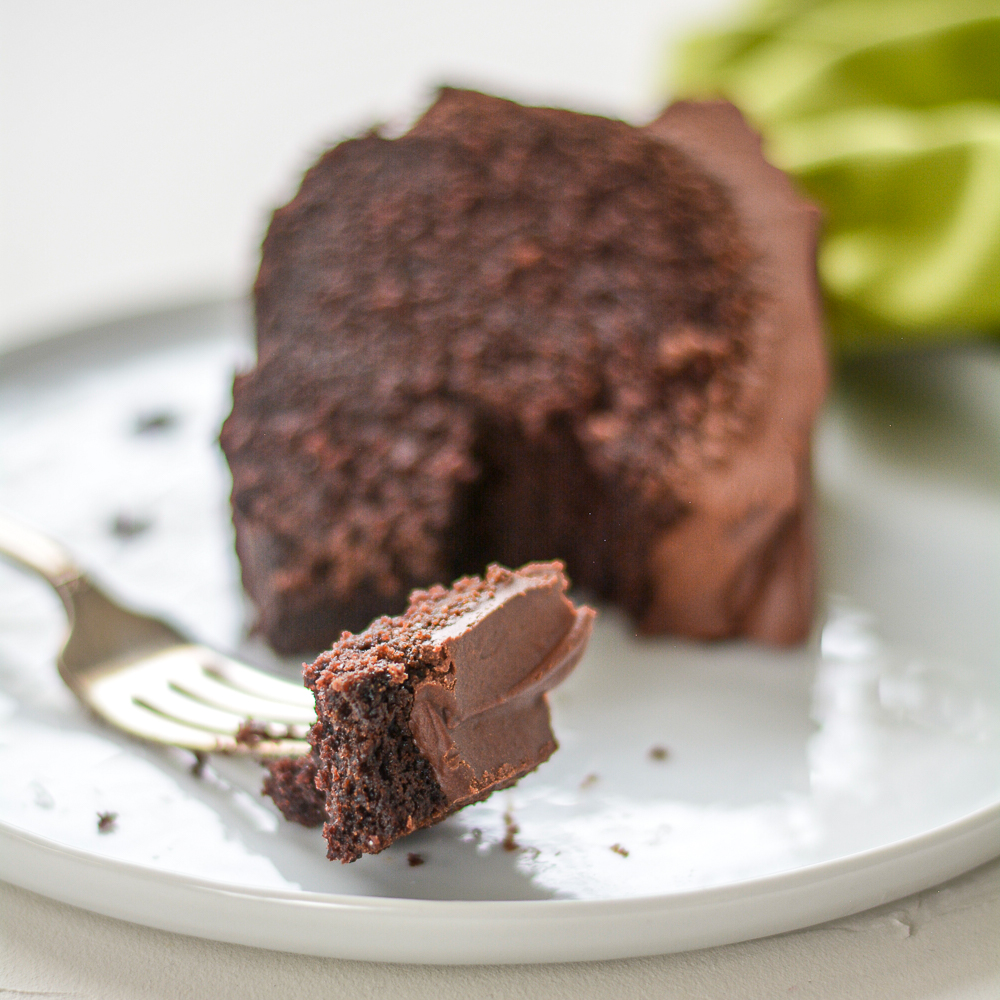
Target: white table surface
x=141 y=148
x=943 y=944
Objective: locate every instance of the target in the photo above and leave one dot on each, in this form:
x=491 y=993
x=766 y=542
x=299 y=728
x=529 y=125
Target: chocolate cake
x=423 y=714
x=521 y=333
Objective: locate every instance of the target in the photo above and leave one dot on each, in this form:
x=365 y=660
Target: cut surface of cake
x=425 y=713
x=521 y=333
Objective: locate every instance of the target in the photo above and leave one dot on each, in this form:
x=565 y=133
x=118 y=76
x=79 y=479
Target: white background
x=143 y=146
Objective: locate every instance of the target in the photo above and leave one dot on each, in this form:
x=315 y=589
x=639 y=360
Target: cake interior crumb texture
x=522 y=333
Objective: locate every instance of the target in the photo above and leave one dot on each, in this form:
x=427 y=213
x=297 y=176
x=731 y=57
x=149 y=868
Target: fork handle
x=38 y=552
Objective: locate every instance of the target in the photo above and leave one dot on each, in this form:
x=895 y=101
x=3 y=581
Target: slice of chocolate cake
x=523 y=333
x=423 y=714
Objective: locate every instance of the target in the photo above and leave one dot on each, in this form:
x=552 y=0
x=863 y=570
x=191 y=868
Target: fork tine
x=255 y=681
x=113 y=697
x=192 y=680
x=167 y=701
x=271 y=748
x=181 y=667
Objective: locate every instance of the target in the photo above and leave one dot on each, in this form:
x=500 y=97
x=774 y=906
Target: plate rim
x=503 y=931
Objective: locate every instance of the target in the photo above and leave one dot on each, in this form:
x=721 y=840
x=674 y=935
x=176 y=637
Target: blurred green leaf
x=888 y=114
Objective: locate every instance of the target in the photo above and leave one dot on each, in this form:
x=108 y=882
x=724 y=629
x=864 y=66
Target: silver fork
x=143 y=676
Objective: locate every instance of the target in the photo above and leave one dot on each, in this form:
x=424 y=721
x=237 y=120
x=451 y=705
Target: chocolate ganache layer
x=425 y=713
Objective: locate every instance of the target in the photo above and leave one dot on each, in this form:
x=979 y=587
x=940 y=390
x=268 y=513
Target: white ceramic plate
x=796 y=787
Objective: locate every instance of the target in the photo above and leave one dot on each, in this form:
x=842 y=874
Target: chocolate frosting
x=479 y=715
x=741 y=560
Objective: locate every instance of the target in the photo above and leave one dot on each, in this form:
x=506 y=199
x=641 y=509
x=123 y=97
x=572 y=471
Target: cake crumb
x=511 y=831
x=414 y=860
x=107 y=822
x=154 y=422
x=618 y=849
x=658 y=753
x=127 y=526
x=251 y=733
x=590 y=779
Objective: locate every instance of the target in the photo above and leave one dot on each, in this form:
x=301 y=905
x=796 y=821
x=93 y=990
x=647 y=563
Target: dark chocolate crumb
x=659 y=753
x=291 y=782
x=251 y=733
x=512 y=829
x=618 y=849
x=106 y=822
x=198 y=767
x=590 y=779
x=154 y=422
x=127 y=526
x=414 y=860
